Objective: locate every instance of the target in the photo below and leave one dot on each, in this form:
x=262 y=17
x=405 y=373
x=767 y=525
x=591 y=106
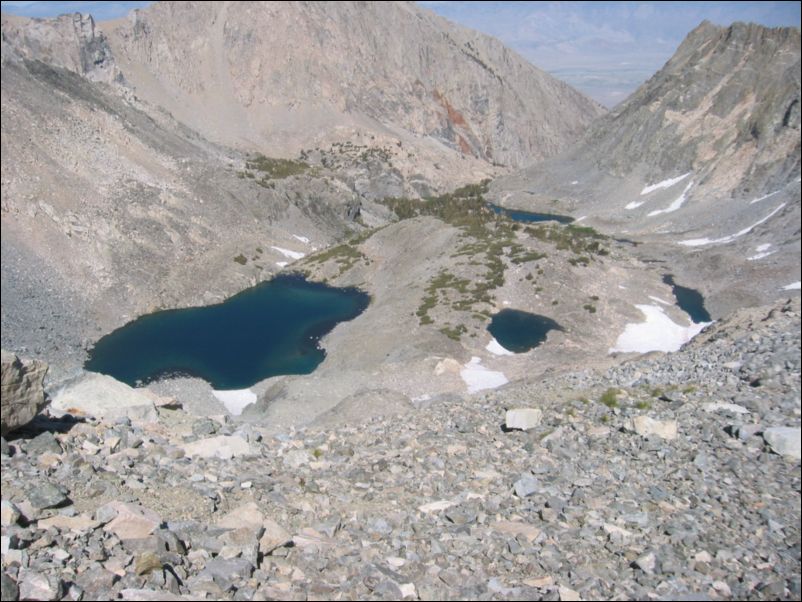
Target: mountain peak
x=280 y=75
x=71 y=41
x=726 y=100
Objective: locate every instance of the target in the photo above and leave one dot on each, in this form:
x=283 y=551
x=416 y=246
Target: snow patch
x=698 y=242
x=579 y=219
x=659 y=300
x=303 y=239
x=281 y=264
x=657 y=333
x=478 y=378
x=288 y=253
x=761 y=251
x=676 y=204
x=664 y=184
x=235 y=400
x=794 y=286
x=764 y=197
x=634 y=205
x=496 y=348
x=574 y=182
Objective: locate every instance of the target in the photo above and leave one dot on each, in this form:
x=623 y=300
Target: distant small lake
x=528 y=216
x=520 y=331
x=270 y=329
x=689 y=300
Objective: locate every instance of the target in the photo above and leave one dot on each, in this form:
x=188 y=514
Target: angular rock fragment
x=646 y=426
x=523 y=418
x=784 y=440
x=274 y=537
x=34 y=585
x=514 y=529
x=9 y=513
x=223 y=447
x=22 y=395
x=132 y=521
x=526 y=486
x=46 y=495
x=105 y=398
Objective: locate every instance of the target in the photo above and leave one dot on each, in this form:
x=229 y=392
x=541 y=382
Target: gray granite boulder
x=23 y=396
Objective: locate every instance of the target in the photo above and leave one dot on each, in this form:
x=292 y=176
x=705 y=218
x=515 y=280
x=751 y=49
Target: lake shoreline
x=268 y=330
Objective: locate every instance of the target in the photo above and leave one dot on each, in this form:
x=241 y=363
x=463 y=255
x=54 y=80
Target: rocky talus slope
x=702 y=162
x=674 y=476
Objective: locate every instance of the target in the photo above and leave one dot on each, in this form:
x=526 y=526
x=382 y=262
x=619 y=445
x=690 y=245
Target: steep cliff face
x=73 y=42
x=448 y=105
x=283 y=74
x=726 y=107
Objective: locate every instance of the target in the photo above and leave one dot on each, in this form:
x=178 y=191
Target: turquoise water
x=529 y=217
x=267 y=330
x=520 y=331
x=689 y=300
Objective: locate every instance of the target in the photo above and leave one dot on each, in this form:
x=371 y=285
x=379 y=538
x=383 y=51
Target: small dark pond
x=689 y=300
x=520 y=331
x=529 y=217
x=270 y=329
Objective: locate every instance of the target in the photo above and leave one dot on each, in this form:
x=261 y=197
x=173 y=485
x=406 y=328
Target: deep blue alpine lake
x=520 y=331
x=528 y=216
x=270 y=329
x=689 y=300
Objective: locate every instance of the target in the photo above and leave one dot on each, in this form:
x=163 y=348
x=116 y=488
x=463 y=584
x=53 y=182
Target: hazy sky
x=606 y=49
x=99 y=10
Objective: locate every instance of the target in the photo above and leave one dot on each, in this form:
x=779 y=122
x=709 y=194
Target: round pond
x=520 y=331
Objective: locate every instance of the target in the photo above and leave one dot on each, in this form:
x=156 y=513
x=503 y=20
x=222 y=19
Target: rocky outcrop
x=23 y=395
x=72 y=41
x=103 y=397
